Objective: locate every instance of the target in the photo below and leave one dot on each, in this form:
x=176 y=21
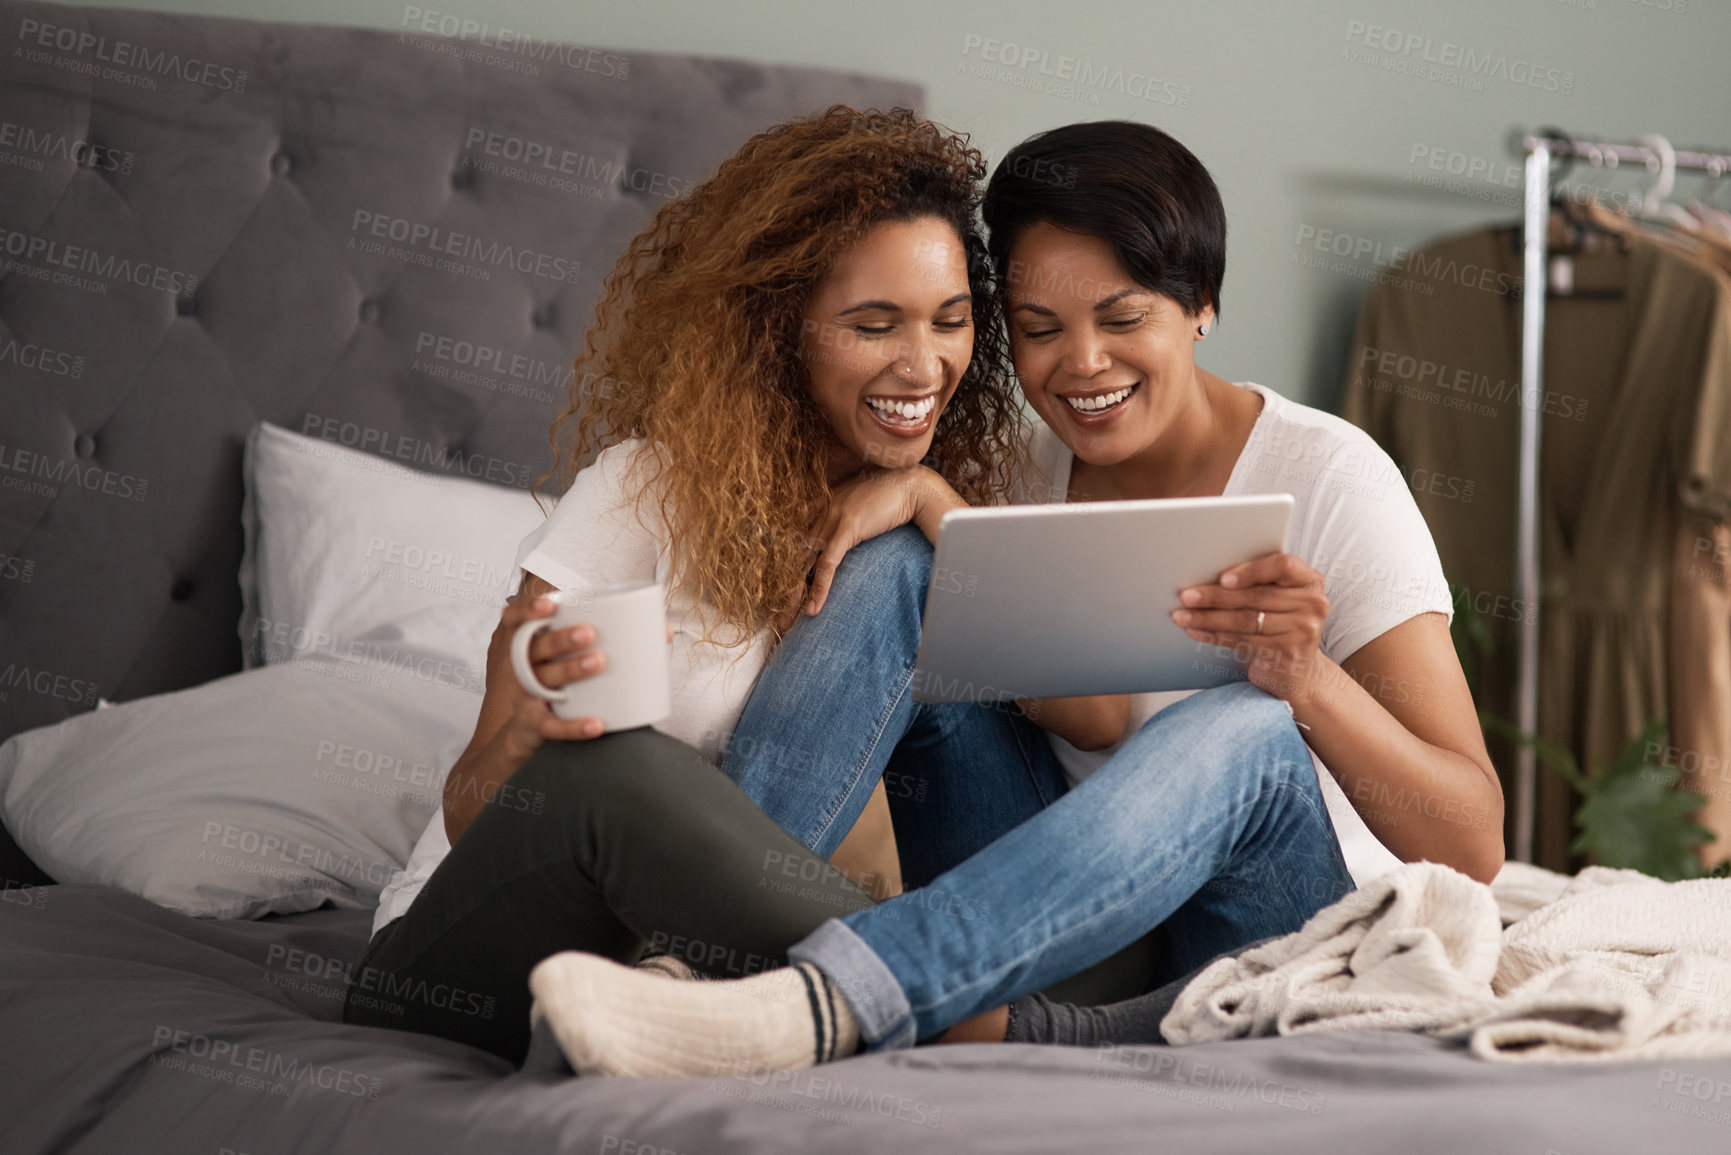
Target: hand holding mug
x=600 y=656
x=557 y=658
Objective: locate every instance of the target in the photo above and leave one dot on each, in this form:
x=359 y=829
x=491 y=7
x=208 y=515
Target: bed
x=113 y=1009
x=206 y=224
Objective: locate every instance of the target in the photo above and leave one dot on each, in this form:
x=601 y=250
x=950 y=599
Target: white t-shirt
x=1353 y=519
x=597 y=536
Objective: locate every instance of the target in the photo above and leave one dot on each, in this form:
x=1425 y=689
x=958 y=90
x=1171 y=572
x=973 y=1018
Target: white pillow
x=354 y=556
x=268 y=791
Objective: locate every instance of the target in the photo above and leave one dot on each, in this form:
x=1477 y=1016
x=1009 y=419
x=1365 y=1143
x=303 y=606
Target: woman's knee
x=1255 y=727
x=1235 y=708
x=623 y=764
x=896 y=562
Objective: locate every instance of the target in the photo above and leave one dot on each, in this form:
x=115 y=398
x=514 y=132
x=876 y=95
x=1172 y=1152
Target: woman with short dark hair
x=1109 y=287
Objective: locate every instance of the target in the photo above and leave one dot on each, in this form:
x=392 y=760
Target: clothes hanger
x=1654 y=205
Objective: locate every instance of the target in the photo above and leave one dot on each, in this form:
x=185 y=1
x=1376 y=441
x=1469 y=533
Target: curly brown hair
x=696 y=349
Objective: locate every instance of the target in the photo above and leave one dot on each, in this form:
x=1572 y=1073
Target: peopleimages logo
x=41 y=358
x=1401 y=259
x=244 y=1065
x=1448 y=60
x=432 y=239
x=491 y=359
x=512 y=42
x=80 y=259
x=47 y=683
x=32 y=142
x=53 y=472
x=422 y=452
x=1037 y=64
x=125 y=54
x=278 y=848
x=1397 y=367
x=543 y=163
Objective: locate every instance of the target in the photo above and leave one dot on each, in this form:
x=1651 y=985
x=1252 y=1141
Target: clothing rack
x=1655 y=154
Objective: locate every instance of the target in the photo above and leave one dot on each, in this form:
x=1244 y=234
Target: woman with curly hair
x=809 y=313
x=808 y=339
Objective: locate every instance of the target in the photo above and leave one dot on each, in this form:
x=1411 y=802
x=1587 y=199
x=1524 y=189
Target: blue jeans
x=1208 y=822
x=832 y=714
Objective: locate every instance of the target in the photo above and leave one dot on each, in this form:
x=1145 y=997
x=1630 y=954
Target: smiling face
x=887 y=337
x=1107 y=364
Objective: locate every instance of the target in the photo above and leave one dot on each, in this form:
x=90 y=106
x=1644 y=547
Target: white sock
x=618 y=1020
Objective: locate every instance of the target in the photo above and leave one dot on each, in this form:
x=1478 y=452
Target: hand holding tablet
x=1270 y=613
x=1040 y=601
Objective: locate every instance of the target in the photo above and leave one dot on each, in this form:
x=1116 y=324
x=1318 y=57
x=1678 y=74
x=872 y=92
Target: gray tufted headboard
x=391 y=238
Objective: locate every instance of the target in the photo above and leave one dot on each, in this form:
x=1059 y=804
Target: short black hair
x=1130 y=185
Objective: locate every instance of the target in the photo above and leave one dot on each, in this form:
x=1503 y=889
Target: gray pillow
x=270 y=791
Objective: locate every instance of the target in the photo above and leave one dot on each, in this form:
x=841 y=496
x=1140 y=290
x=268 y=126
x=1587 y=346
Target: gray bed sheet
x=126 y=1027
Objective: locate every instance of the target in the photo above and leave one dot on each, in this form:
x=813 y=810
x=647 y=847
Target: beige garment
x=1637 y=429
x=1617 y=966
x=1701 y=647
x=1699 y=742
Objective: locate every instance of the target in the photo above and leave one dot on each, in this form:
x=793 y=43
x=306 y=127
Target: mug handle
x=520 y=661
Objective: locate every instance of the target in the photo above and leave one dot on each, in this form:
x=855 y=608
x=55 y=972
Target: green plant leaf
x=1640 y=822
x=1630 y=815
x=1633 y=755
x=1633 y=815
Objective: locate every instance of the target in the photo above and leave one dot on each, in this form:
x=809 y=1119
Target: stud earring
x=1202 y=329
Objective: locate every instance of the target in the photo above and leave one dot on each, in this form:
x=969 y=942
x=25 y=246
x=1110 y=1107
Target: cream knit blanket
x=1608 y=965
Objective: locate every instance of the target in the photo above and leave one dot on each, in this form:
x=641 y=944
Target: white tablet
x=1046 y=601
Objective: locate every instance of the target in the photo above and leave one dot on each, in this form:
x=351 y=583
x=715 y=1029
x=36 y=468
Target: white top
x=596 y=536
x=1353 y=519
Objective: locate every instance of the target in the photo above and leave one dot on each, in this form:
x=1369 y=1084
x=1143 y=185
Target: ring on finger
x=1260 y=614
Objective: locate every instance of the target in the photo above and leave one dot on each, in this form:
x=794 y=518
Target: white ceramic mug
x=630 y=624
